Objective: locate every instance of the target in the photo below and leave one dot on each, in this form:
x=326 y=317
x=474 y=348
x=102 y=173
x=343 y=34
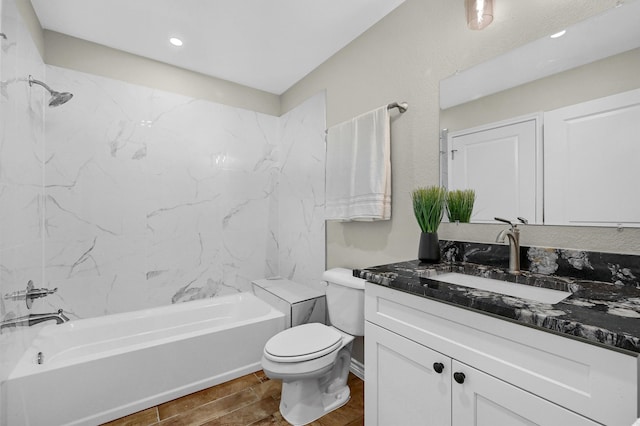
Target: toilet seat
x=303 y=343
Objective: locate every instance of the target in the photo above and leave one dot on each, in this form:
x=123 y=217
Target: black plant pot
x=429 y=248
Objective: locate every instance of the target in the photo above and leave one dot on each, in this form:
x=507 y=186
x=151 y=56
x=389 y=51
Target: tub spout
x=33 y=319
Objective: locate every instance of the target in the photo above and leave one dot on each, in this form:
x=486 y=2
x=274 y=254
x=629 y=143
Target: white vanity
x=430 y=362
x=563 y=129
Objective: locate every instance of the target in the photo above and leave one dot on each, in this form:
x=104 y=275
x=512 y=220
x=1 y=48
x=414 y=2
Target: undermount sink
x=539 y=294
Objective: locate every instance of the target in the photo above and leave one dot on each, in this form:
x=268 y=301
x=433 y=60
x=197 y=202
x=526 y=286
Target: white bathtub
x=100 y=369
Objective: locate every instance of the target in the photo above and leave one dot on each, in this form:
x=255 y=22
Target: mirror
x=595 y=58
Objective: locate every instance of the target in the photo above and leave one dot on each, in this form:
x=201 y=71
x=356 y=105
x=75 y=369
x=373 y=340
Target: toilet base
x=306 y=400
x=300 y=404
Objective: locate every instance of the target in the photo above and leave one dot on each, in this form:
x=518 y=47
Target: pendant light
x=479 y=13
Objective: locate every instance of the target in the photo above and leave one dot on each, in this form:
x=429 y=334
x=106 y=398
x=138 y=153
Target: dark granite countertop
x=597 y=312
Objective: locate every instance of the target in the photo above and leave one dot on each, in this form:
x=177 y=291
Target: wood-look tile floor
x=249 y=400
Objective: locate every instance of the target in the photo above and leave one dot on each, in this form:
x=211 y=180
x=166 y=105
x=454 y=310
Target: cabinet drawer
x=596 y=382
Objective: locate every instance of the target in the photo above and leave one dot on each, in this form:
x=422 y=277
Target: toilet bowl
x=313 y=360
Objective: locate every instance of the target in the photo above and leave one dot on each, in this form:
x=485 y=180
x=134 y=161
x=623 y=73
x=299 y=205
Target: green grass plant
x=460 y=205
x=428 y=206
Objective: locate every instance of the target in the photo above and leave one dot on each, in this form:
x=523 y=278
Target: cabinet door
x=591 y=168
x=502 y=163
x=401 y=385
x=483 y=400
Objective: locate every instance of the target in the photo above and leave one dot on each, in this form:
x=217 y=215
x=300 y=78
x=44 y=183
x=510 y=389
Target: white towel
x=358 y=168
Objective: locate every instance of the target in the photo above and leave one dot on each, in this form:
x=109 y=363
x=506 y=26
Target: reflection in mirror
x=501 y=162
x=598 y=57
x=591 y=155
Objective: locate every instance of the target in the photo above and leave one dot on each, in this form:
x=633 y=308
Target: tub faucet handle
x=36 y=293
x=40 y=292
x=29 y=294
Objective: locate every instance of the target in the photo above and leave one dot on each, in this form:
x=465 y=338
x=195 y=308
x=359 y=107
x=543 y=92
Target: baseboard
x=357 y=368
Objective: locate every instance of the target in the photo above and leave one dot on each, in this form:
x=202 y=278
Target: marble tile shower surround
x=154 y=198
x=141 y=198
x=300 y=195
x=21 y=173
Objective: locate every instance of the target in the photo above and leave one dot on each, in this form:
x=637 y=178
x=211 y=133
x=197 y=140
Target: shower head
x=57 y=98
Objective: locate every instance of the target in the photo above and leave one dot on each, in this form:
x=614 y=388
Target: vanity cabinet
x=415 y=385
x=401 y=385
x=430 y=363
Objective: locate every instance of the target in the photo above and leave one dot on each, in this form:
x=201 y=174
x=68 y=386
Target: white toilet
x=312 y=360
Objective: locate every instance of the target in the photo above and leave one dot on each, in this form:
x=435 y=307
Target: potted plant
x=460 y=205
x=428 y=207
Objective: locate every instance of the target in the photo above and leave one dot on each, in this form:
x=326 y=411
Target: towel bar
x=402 y=106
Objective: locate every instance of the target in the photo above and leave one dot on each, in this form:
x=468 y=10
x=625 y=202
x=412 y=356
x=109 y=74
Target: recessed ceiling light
x=558 y=34
x=175 y=41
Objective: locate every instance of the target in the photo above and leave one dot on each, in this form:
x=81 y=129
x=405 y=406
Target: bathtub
x=99 y=369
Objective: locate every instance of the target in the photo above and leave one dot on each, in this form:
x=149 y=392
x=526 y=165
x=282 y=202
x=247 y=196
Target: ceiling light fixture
x=175 y=41
x=479 y=13
x=558 y=34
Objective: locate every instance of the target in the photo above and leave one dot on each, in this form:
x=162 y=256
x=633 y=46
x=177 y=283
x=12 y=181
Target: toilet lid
x=302 y=343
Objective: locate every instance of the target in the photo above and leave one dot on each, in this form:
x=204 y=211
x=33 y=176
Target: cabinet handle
x=459 y=377
x=438 y=367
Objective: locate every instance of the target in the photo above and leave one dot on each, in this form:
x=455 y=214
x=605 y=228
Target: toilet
x=313 y=360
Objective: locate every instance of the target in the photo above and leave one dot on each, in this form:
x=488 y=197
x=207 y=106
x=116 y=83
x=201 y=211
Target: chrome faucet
x=33 y=319
x=513 y=235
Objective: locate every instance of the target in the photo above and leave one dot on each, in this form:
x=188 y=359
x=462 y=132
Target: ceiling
x=264 y=44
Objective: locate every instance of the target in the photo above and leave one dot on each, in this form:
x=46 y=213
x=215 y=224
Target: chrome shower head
x=57 y=98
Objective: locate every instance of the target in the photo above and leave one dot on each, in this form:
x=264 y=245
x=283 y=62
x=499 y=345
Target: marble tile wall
x=155 y=198
x=152 y=197
x=301 y=225
x=21 y=174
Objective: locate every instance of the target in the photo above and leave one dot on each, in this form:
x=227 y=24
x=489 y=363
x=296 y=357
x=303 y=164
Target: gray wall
x=31 y=21
x=616 y=74
x=403 y=58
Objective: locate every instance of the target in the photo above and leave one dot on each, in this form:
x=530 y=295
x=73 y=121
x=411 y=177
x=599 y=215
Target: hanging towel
x=358 y=168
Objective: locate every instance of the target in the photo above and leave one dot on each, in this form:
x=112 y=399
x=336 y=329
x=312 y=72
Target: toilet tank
x=345 y=300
